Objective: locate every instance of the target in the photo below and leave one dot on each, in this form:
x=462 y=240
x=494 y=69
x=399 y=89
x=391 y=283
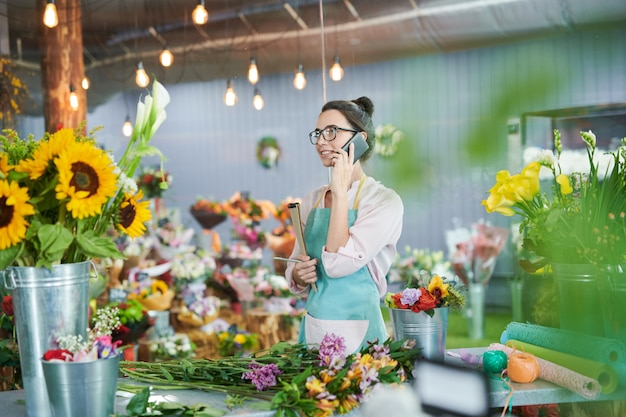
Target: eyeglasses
x=328 y=133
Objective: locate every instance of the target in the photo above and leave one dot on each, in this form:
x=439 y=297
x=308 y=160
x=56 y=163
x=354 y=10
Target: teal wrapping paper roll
x=601 y=372
x=595 y=348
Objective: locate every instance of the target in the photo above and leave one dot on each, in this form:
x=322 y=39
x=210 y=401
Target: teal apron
x=347 y=306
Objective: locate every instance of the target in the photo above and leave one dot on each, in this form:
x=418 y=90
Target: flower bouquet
x=417 y=263
x=236 y=341
x=172 y=347
x=81 y=375
x=154 y=181
x=208 y=213
x=199 y=312
x=473 y=256
x=293 y=379
x=10 y=373
x=172 y=239
x=245 y=215
x=420 y=313
x=134 y=322
x=274 y=291
x=582 y=220
x=153 y=295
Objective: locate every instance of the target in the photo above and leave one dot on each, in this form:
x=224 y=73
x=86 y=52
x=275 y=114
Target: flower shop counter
x=538 y=392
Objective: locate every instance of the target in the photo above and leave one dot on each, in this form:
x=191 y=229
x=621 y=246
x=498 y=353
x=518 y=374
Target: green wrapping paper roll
x=595 y=348
x=601 y=372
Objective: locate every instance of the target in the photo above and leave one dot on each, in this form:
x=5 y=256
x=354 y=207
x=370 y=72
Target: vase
x=48 y=303
x=428 y=332
x=475 y=311
x=78 y=389
x=577 y=298
x=612 y=286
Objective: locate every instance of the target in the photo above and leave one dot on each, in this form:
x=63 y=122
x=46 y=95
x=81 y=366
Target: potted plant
x=420 y=313
x=577 y=230
x=59 y=196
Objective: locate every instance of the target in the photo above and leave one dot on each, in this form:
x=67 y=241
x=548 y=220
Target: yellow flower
x=4 y=165
x=86 y=177
x=347 y=404
x=437 y=288
x=315 y=386
x=223 y=336
x=240 y=339
x=46 y=152
x=565 y=184
x=14 y=207
x=133 y=215
x=158 y=286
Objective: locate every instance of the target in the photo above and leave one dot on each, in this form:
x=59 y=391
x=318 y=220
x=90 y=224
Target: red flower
x=425 y=302
x=59 y=354
x=7 y=305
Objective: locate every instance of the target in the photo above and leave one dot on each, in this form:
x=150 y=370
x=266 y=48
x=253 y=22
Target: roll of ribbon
x=595 y=348
x=494 y=361
x=523 y=368
x=559 y=375
x=601 y=372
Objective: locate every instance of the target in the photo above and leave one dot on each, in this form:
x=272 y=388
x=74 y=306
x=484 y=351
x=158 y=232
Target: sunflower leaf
x=9 y=255
x=94 y=246
x=54 y=240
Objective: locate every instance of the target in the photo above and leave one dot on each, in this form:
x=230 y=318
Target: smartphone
x=360 y=145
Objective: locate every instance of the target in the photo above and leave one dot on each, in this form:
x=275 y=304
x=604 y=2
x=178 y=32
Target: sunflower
x=87 y=177
x=46 y=152
x=133 y=215
x=13 y=207
x=4 y=165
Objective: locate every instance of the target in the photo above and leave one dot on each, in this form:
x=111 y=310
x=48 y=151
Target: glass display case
x=608 y=123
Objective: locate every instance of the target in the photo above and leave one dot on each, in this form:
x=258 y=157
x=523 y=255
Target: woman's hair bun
x=366 y=104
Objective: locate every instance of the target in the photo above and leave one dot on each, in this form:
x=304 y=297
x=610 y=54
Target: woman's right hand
x=305 y=273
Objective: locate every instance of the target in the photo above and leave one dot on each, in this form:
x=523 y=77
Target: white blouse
x=373 y=236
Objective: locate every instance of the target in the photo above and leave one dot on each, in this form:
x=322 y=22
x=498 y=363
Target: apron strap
x=356 y=200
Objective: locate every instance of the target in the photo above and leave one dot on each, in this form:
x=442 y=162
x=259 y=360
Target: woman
x=351 y=228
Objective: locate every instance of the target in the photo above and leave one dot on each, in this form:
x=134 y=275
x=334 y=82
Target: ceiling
x=117 y=34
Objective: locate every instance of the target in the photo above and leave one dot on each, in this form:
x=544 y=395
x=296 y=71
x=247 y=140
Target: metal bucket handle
x=9 y=274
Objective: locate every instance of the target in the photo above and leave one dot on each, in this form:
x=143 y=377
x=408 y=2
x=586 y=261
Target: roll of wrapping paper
x=559 y=375
x=595 y=348
x=601 y=372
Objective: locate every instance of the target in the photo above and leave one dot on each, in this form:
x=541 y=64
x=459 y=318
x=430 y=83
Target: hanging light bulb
x=253 y=72
x=257 y=100
x=336 y=71
x=85 y=83
x=50 y=16
x=166 y=58
x=299 y=81
x=199 y=15
x=127 y=127
x=141 y=76
x=73 y=98
x=230 y=97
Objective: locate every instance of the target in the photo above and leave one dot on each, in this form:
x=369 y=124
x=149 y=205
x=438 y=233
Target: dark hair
x=359 y=114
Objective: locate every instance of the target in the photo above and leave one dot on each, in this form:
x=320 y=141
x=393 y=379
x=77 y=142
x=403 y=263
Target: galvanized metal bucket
x=48 y=303
x=428 y=332
x=79 y=389
x=578 y=295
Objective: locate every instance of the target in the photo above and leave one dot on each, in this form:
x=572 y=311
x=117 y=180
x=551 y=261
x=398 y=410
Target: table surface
x=538 y=392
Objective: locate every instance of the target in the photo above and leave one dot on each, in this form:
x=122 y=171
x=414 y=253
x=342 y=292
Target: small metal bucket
x=79 y=389
x=48 y=303
x=428 y=332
